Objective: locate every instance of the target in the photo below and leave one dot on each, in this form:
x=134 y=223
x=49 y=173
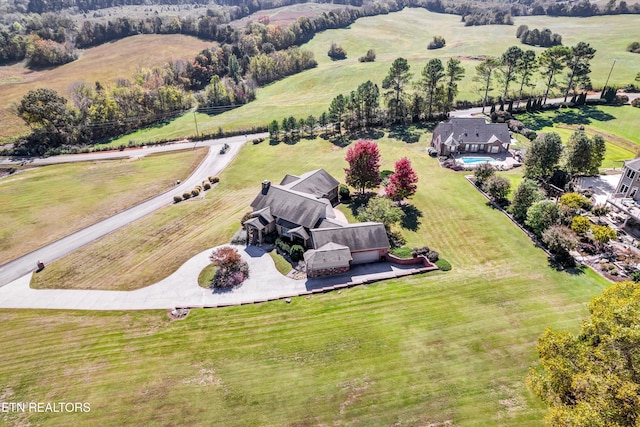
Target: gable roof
x=293 y=206
x=317 y=182
x=358 y=237
x=331 y=253
x=460 y=130
x=633 y=164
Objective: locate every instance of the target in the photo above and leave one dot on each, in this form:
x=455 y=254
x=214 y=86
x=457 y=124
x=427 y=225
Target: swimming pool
x=476 y=160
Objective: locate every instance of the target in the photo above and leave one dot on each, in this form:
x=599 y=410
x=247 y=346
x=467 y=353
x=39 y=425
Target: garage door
x=365 y=257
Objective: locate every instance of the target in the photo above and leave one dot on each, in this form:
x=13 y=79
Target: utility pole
x=610 y=71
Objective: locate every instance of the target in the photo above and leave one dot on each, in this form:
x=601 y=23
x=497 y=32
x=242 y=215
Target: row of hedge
x=295 y=252
x=206 y=185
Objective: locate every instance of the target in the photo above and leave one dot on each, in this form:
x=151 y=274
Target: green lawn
x=44 y=204
x=406 y=34
x=282 y=265
x=617 y=125
x=206 y=276
x=447 y=347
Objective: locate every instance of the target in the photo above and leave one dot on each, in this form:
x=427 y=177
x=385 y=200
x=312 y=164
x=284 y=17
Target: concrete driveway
x=181 y=288
x=213 y=164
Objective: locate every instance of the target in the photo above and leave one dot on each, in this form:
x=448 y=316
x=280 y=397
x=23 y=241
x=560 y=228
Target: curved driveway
x=213 y=164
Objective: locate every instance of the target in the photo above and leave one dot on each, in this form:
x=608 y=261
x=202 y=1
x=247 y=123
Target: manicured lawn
x=402 y=252
x=449 y=347
x=617 y=125
x=206 y=276
x=282 y=265
x=103 y=63
x=43 y=204
x=406 y=34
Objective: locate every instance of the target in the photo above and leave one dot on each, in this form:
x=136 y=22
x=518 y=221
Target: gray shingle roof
x=331 y=253
x=472 y=131
x=293 y=206
x=358 y=237
x=317 y=182
x=633 y=164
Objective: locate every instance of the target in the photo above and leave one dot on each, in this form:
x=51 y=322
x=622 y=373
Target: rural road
x=213 y=164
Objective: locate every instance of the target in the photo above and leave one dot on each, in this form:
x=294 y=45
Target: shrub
x=214 y=179
x=432 y=151
x=621 y=99
x=635 y=276
x=246 y=217
x=207 y=186
x=296 y=253
x=336 y=52
x=530 y=134
x=580 y=224
x=636 y=103
x=437 y=43
x=433 y=256
x=443 y=264
x=186 y=195
x=600 y=210
x=370 y=56
x=232 y=270
x=177 y=199
x=344 y=192
x=420 y=251
x=195 y=192
x=482 y=173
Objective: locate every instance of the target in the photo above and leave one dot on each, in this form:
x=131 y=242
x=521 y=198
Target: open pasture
x=406 y=34
x=440 y=348
x=44 y=204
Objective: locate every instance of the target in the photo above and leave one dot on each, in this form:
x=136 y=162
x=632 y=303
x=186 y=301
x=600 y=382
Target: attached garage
x=365 y=257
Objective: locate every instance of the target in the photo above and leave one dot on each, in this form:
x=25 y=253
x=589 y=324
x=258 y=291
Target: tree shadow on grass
x=582 y=116
x=358 y=201
x=367 y=134
x=411 y=219
x=573 y=271
x=337 y=140
x=535 y=121
x=404 y=134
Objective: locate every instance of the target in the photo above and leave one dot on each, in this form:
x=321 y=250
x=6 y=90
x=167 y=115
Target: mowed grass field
x=104 y=63
x=617 y=125
x=443 y=348
x=44 y=204
x=406 y=34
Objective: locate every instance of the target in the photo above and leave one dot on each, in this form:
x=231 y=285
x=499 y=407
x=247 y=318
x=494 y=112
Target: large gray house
x=300 y=208
x=629 y=180
x=470 y=135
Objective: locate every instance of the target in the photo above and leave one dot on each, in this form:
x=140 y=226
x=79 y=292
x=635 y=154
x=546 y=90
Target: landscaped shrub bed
x=443 y=264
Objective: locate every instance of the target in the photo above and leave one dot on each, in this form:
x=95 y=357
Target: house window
x=631 y=174
x=285 y=232
x=466 y=147
x=624 y=188
x=495 y=149
x=634 y=190
x=474 y=148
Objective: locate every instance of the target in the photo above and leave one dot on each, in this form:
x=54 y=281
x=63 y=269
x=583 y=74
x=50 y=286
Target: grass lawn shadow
x=358 y=201
x=411 y=219
x=581 y=116
x=405 y=134
x=573 y=271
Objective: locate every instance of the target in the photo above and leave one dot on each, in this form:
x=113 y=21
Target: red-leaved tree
x=364 y=165
x=402 y=184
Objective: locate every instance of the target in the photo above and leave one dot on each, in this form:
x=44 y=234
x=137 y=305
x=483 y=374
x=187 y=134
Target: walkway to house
x=181 y=288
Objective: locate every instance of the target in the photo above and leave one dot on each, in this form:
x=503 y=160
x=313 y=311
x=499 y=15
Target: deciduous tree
x=542 y=215
x=591 y=378
x=381 y=209
x=525 y=195
x=364 y=165
x=497 y=187
x=403 y=182
x=543 y=156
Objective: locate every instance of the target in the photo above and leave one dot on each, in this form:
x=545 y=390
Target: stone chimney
x=265 y=186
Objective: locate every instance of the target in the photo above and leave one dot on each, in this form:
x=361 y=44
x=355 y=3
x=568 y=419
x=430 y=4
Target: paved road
x=213 y=164
x=469 y=112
